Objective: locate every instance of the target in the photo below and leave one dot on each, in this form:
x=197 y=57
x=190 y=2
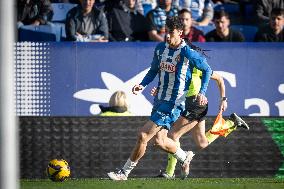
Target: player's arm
x=221 y=85
x=151 y=74
x=200 y=62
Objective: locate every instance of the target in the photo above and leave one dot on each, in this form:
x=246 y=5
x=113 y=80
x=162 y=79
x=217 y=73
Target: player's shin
x=129 y=166
x=172 y=161
x=180 y=155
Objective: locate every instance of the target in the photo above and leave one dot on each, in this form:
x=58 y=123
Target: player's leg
x=179 y=128
x=190 y=117
x=198 y=134
x=176 y=120
x=201 y=139
x=188 y=120
x=163 y=142
x=145 y=134
x=171 y=165
x=170 y=146
x=162 y=115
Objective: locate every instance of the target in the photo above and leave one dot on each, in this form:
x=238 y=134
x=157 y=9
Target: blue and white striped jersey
x=174 y=68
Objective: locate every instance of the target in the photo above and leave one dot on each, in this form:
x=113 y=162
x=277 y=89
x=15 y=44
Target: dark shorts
x=194 y=111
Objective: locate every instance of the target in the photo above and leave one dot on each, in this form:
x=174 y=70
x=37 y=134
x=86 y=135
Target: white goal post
x=8 y=122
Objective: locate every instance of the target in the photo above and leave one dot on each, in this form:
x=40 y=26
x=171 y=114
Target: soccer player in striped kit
x=173 y=62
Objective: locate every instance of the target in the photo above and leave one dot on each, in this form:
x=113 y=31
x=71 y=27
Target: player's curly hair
x=174 y=22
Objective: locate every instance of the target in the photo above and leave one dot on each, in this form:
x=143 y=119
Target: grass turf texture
x=152 y=183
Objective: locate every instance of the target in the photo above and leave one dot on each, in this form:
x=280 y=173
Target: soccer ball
x=58 y=170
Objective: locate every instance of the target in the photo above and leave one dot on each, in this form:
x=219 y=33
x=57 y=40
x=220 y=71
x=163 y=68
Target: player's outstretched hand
x=154 y=91
x=202 y=99
x=136 y=89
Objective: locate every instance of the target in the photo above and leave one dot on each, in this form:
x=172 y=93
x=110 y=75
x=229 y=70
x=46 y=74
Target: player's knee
x=202 y=144
x=173 y=136
x=159 y=142
x=142 y=137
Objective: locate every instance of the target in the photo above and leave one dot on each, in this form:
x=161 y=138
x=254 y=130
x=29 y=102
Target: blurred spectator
x=127 y=24
x=66 y=1
x=142 y=4
x=263 y=9
x=241 y=11
x=33 y=12
x=139 y=5
x=86 y=23
x=201 y=10
x=157 y=19
x=118 y=105
x=74 y=1
x=273 y=32
x=60 y=1
x=109 y=4
x=189 y=32
x=223 y=33
x=229 y=1
x=218 y=1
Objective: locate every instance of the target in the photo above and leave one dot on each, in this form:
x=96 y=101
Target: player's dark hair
x=219 y=14
x=174 y=22
x=184 y=11
x=277 y=12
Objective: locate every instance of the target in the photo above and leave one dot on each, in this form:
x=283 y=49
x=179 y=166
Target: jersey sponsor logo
x=167 y=67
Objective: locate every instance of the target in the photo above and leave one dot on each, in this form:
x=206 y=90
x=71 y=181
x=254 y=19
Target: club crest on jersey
x=177 y=59
x=167 y=67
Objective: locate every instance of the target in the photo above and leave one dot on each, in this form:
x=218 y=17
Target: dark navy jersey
x=174 y=68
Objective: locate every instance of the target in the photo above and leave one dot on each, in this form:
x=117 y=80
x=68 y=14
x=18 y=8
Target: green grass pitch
x=152 y=183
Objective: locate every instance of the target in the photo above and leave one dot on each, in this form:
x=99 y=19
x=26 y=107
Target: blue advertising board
x=72 y=79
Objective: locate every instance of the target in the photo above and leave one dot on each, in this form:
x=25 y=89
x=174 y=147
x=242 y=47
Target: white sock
x=180 y=155
x=128 y=166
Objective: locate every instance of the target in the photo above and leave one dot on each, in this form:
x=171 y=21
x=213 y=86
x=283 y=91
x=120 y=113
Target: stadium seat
x=147 y=7
x=247 y=30
x=40 y=33
x=60 y=11
x=231 y=8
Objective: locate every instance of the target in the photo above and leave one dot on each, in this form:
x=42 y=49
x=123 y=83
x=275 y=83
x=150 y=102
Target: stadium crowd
x=144 y=20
